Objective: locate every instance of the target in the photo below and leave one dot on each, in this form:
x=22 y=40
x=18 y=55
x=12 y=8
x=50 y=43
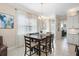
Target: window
x=33 y=25
x=25 y=24
x=22 y=23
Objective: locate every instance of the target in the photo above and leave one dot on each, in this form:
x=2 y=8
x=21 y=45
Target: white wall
x=58 y=29
x=9 y=35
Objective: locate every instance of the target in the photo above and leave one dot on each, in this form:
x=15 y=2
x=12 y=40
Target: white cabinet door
x=70 y=39
x=73 y=22
x=73 y=39
x=70 y=22
x=76 y=22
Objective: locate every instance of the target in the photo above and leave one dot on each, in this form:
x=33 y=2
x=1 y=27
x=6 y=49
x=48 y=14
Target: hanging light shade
x=41 y=17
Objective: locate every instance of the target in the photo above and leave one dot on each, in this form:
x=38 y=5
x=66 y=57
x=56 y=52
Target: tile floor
x=62 y=48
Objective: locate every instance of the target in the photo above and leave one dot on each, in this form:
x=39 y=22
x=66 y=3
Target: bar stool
x=46 y=45
x=32 y=46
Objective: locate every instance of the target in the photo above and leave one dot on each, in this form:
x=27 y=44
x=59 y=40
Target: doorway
x=63 y=27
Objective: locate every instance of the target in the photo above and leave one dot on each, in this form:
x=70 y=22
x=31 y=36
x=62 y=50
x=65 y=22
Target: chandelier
x=42 y=17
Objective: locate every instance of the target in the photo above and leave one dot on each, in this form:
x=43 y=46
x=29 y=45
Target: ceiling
x=49 y=9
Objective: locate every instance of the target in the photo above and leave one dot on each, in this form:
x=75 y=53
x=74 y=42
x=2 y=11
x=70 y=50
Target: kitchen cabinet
x=73 y=29
x=73 y=21
x=73 y=39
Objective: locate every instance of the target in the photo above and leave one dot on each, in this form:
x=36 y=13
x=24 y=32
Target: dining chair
x=46 y=45
x=34 y=34
x=77 y=50
x=3 y=48
x=30 y=46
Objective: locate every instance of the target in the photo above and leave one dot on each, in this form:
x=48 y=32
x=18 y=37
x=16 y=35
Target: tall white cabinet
x=73 y=29
x=73 y=21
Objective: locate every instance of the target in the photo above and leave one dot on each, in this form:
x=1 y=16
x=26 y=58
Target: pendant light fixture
x=41 y=17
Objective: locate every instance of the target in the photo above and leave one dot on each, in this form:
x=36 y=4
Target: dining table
x=38 y=38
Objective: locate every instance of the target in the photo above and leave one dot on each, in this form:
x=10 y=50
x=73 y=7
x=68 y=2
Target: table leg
x=39 y=49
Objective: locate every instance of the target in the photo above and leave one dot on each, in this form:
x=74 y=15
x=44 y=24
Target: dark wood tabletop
x=37 y=36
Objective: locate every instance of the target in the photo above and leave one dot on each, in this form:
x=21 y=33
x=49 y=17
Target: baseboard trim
x=20 y=46
x=72 y=44
x=11 y=48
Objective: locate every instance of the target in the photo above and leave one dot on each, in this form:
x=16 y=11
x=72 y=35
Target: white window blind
x=33 y=24
x=22 y=23
x=26 y=25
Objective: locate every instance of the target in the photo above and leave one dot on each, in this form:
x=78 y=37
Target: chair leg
x=46 y=50
x=37 y=51
x=30 y=51
x=25 y=51
x=46 y=54
x=75 y=48
x=50 y=48
x=53 y=46
x=25 y=54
